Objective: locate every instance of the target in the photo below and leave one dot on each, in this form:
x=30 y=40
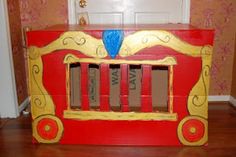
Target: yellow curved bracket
x=198 y=97
x=146 y=39
x=41 y=101
x=79 y=41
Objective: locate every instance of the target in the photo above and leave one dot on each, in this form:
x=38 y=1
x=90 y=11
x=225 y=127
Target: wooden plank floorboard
x=15 y=140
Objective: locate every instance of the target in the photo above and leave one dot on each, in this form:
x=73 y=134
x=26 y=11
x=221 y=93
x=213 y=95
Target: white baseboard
x=233 y=100
x=24 y=104
x=216 y=98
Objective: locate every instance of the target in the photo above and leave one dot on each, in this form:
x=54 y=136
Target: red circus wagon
x=183 y=51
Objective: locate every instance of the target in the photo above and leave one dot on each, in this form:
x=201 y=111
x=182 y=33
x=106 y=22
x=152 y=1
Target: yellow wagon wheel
x=47 y=129
x=193 y=130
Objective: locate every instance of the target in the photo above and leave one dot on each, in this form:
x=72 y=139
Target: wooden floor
x=15 y=141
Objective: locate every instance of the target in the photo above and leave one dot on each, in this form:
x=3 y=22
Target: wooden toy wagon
x=183 y=51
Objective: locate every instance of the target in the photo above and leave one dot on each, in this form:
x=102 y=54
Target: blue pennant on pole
x=112 y=39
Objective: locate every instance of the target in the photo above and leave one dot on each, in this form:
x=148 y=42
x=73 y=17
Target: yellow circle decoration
x=192 y=131
x=47 y=129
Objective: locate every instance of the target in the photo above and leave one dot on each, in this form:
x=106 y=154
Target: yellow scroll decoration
x=146 y=39
x=79 y=41
x=197 y=100
x=41 y=101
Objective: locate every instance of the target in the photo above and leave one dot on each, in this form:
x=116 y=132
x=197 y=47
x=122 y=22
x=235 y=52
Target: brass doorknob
x=82 y=3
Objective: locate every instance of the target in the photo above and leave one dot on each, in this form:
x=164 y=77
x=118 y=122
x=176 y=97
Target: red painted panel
x=120 y=132
x=124 y=87
x=104 y=87
x=146 y=89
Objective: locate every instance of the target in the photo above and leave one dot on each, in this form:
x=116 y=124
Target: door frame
x=72 y=17
x=8 y=94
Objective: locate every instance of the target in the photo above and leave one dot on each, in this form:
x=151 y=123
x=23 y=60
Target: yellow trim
x=192 y=130
x=197 y=99
x=47 y=128
x=171 y=74
x=42 y=140
x=79 y=41
x=69 y=59
x=93 y=47
x=68 y=85
x=41 y=101
x=146 y=39
x=202 y=141
x=98 y=115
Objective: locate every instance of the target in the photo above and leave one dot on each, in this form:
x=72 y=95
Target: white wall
x=8 y=98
